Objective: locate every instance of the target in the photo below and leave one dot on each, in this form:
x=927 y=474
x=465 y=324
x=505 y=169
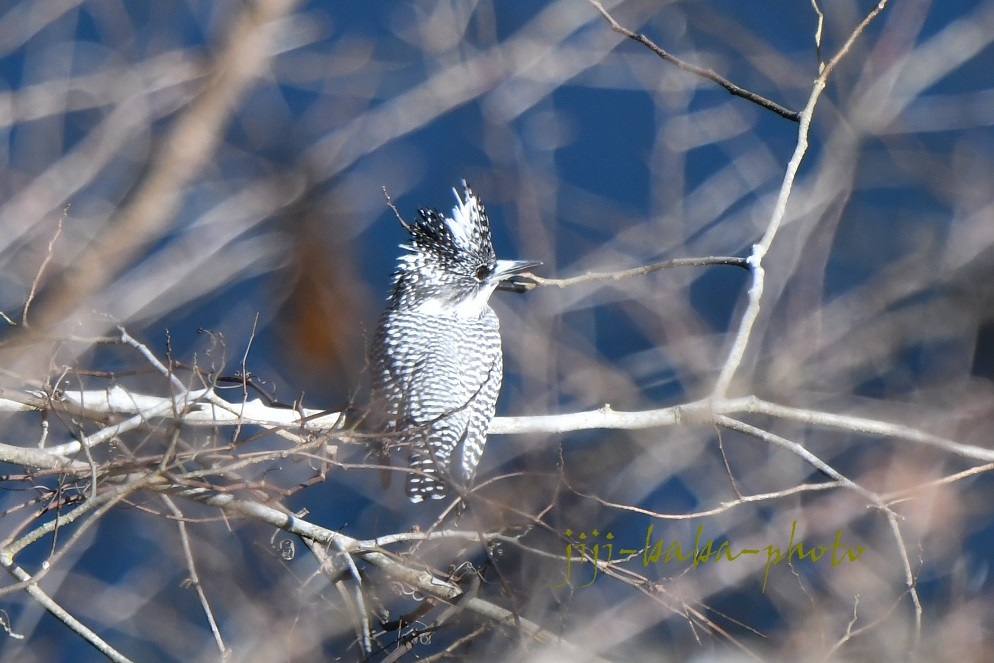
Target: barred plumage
x=436 y=357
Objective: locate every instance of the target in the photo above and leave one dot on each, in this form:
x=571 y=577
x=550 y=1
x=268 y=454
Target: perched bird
x=436 y=362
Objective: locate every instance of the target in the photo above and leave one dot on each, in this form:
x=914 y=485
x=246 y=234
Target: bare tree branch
x=759 y=251
x=703 y=72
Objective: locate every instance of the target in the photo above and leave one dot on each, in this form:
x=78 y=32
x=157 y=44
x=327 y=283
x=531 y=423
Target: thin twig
x=703 y=72
x=60 y=613
x=41 y=268
x=393 y=207
x=150 y=358
x=846 y=47
x=737 y=351
x=329 y=567
x=916 y=491
x=245 y=372
x=807 y=456
x=849 y=630
x=29 y=583
x=892 y=518
x=725 y=506
x=818 y=33
x=423 y=581
x=194 y=577
x=99 y=504
x=637 y=271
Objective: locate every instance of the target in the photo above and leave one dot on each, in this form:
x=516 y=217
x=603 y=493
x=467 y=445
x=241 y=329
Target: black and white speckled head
x=450 y=266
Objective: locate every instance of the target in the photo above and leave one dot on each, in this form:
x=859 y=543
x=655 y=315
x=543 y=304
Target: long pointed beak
x=508 y=268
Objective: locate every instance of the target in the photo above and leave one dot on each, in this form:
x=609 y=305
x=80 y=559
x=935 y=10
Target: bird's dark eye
x=482 y=272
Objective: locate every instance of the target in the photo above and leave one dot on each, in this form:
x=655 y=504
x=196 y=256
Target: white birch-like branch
x=205 y=407
x=759 y=250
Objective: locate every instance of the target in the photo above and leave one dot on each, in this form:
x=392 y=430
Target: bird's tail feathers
x=425 y=482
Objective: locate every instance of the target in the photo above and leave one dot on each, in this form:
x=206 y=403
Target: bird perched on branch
x=436 y=360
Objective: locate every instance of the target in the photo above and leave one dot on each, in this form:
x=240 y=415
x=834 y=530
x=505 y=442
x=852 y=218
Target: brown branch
x=703 y=72
x=423 y=581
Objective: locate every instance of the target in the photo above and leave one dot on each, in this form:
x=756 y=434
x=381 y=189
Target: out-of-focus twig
x=63 y=615
x=182 y=156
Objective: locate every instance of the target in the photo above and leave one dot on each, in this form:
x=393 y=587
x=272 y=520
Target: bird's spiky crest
x=462 y=239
